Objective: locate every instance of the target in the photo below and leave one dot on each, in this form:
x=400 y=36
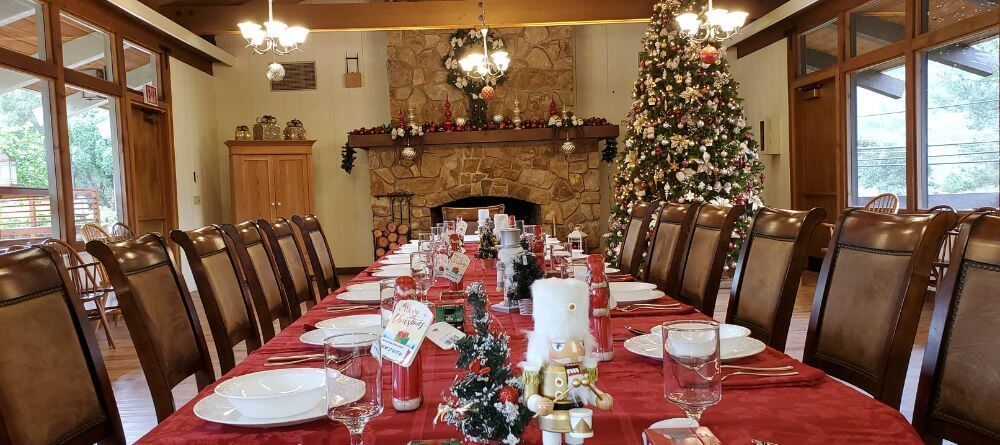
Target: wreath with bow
x=461 y=42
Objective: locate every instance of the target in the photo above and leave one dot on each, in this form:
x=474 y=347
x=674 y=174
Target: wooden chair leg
x=103 y=320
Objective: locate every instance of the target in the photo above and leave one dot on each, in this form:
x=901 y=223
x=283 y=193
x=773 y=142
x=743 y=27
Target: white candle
x=484 y=214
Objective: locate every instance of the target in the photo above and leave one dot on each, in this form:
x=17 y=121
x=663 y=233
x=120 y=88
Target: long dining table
x=818 y=411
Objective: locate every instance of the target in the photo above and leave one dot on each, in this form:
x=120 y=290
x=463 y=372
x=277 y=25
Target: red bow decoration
x=477 y=367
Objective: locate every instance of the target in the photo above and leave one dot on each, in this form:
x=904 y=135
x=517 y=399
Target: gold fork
x=759 y=368
x=760 y=374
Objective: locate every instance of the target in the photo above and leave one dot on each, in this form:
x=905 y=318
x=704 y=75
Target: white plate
x=725 y=331
x=630 y=286
x=352 y=323
x=218 y=410
x=392 y=273
x=407 y=248
x=274 y=393
x=364 y=297
x=370 y=286
x=404 y=266
x=650 y=345
x=397 y=260
x=608 y=269
x=395 y=256
x=644 y=296
x=471 y=238
x=315 y=337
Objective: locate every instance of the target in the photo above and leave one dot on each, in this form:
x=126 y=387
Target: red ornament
x=477 y=367
x=402 y=120
x=709 y=54
x=508 y=394
x=487 y=93
x=553 y=111
x=447 y=114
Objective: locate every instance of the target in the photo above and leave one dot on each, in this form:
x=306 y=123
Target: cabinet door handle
x=279 y=204
x=273 y=204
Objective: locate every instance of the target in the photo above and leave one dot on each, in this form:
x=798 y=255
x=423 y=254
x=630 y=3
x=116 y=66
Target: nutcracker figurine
x=407 y=391
x=600 y=308
x=560 y=370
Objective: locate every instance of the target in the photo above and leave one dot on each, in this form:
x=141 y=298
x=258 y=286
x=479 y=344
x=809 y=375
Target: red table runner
x=826 y=412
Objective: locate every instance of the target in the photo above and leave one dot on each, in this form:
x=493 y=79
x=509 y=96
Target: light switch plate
x=196 y=200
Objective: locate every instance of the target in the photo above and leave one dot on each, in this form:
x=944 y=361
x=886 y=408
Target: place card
x=403 y=335
x=455 y=268
x=444 y=335
x=461 y=227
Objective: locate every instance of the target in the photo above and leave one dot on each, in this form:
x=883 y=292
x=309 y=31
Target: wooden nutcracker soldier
x=600 y=308
x=560 y=370
x=407 y=385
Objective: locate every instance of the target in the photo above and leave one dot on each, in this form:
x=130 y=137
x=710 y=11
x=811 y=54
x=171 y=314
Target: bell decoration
x=407 y=383
x=487 y=93
x=275 y=72
x=568 y=147
x=409 y=153
x=600 y=308
x=708 y=55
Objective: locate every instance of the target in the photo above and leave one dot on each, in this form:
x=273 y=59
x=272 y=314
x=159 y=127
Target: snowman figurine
x=560 y=370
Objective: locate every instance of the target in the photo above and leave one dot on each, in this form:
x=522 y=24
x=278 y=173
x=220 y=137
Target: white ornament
x=275 y=72
x=568 y=147
x=409 y=153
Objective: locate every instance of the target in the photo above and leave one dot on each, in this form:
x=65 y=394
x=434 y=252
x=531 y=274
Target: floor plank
x=138 y=417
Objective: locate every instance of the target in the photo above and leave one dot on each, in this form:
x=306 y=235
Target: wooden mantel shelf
x=488 y=136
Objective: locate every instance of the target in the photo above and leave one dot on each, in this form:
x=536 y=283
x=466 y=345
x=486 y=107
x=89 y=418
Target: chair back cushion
x=319 y=252
x=673 y=226
x=288 y=260
x=635 y=241
x=768 y=272
x=470 y=215
x=958 y=397
x=55 y=388
x=869 y=296
x=706 y=255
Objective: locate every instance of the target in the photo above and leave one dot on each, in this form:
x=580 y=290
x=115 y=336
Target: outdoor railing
x=26 y=213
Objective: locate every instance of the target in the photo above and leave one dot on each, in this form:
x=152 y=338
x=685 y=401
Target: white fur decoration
x=561 y=312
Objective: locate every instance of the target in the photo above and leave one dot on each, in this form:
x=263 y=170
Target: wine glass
x=692 y=372
x=422 y=271
x=353 y=381
x=424 y=241
x=387 y=299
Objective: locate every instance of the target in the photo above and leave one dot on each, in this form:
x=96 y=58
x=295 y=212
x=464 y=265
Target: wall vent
x=298 y=76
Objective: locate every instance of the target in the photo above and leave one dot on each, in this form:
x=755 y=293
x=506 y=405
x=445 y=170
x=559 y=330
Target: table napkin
x=807 y=375
x=683 y=309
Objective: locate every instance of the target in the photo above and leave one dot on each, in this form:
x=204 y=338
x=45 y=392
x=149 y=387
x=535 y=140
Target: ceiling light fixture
x=717 y=25
x=487 y=66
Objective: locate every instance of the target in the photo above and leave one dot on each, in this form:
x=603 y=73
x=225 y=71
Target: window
x=22 y=28
x=86 y=49
x=876 y=24
x=818 y=48
x=960 y=135
x=877 y=100
x=27 y=196
x=141 y=67
x=94 y=158
x=938 y=14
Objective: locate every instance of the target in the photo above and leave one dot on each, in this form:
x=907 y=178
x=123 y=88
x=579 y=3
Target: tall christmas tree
x=686 y=138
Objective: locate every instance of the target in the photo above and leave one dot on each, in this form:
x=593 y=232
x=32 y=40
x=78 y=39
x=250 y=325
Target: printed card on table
x=461 y=227
x=455 y=268
x=403 y=335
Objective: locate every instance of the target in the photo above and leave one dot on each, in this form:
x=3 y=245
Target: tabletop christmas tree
x=686 y=137
x=487 y=241
x=485 y=401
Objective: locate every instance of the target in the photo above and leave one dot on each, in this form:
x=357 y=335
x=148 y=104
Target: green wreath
x=461 y=41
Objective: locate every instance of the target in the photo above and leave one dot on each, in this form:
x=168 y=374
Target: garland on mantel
x=413 y=130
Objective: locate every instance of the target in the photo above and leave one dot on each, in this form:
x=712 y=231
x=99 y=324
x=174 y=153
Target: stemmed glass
x=353 y=381
x=423 y=272
x=692 y=372
x=387 y=300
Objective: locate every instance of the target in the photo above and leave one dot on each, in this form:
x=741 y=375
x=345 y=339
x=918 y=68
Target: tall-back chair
x=261 y=277
x=160 y=315
x=55 y=387
x=323 y=267
x=94 y=232
x=227 y=304
x=121 y=231
x=288 y=259
x=635 y=241
x=705 y=256
x=666 y=249
x=884 y=203
x=868 y=298
x=470 y=215
x=768 y=272
x=958 y=397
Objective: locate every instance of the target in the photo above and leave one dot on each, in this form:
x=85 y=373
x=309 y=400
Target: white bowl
x=274 y=393
x=726 y=331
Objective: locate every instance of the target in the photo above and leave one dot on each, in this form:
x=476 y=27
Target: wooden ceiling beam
x=433 y=14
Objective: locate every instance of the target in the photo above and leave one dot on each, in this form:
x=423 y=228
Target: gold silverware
x=760 y=374
x=759 y=368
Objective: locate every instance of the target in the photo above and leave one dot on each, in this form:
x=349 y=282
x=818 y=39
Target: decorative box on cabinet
x=270 y=178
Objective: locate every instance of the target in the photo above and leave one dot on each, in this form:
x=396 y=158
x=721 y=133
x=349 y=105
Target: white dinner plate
x=404 y=266
x=352 y=323
x=471 y=238
x=397 y=256
x=651 y=345
x=644 y=296
x=315 y=337
x=725 y=331
x=218 y=410
x=363 y=297
x=392 y=273
x=368 y=286
x=608 y=269
x=630 y=286
x=407 y=248
x=396 y=260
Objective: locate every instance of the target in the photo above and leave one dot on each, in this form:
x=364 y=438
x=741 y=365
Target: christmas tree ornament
x=568 y=147
x=409 y=153
x=498 y=118
x=560 y=370
x=448 y=125
x=460 y=121
x=487 y=93
x=275 y=72
x=411 y=118
x=407 y=382
x=508 y=394
x=517 y=114
x=600 y=308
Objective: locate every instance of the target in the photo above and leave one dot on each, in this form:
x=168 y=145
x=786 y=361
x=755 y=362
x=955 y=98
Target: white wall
x=328 y=113
x=196 y=151
x=763 y=78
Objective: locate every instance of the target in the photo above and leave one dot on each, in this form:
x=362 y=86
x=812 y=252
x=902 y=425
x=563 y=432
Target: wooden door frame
x=170 y=178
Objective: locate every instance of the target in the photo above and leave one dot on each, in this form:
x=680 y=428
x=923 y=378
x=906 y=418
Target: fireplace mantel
x=595 y=132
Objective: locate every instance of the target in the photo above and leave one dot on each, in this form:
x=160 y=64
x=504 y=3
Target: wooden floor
x=138 y=417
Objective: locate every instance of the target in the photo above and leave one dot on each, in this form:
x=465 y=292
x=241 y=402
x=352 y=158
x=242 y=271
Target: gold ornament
x=275 y=72
x=568 y=147
x=517 y=114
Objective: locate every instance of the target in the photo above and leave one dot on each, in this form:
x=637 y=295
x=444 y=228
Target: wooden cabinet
x=270 y=178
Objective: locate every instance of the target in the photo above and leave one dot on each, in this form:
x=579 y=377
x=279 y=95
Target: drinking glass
x=387 y=297
x=692 y=372
x=529 y=235
x=353 y=381
x=519 y=225
x=424 y=241
x=422 y=271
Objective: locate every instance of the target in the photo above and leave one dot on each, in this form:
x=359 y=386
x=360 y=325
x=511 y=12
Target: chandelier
x=487 y=66
x=718 y=25
x=274 y=36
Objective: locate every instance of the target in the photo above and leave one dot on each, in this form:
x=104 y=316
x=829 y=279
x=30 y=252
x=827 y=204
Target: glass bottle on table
x=692 y=371
x=353 y=372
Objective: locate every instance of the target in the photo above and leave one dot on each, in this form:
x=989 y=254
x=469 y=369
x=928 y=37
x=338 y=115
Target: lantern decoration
x=577 y=239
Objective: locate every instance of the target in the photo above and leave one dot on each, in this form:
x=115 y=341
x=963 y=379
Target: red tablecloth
x=825 y=413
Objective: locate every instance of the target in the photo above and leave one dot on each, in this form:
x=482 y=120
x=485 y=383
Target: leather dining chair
x=261 y=277
x=958 y=397
x=160 y=315
x=635 y=241
x=227 y=304
x=768 y=271
x=318 y=249
x=55 y=385
x=91 y=282
x=470 y=215
x=705 y=256
x=666 y=249
x=868 y=298
x=291 y=267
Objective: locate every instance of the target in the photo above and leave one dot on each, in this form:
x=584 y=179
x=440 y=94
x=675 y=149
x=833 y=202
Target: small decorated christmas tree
x=485 y=402
x=525 y=271
x=487 y=241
